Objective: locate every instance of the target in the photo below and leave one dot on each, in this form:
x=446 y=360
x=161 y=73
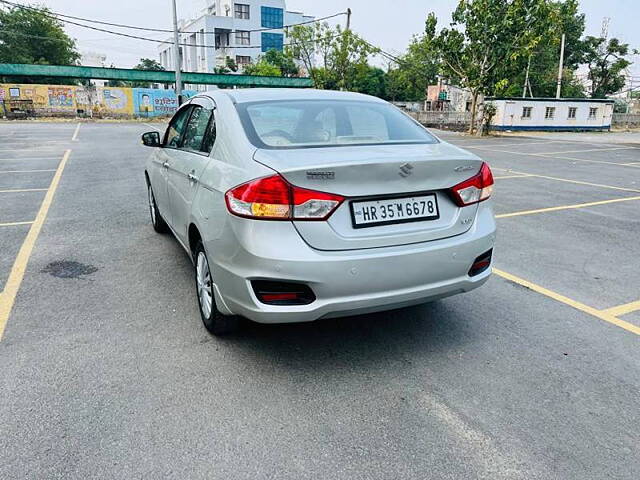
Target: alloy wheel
x=204 y=284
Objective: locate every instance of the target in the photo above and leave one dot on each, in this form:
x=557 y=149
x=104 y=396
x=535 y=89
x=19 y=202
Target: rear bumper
x=346 y=282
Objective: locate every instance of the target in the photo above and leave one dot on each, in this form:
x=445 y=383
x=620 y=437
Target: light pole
x=176 y=54
x=559 y=89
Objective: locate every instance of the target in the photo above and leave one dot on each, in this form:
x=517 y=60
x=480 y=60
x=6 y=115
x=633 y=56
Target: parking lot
x=108 y=372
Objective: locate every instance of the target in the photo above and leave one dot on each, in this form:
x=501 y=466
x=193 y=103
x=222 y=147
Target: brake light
x=476 y=189
x=273 y=198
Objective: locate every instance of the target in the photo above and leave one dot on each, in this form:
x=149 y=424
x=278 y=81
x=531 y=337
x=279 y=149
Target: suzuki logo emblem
x=405 y=170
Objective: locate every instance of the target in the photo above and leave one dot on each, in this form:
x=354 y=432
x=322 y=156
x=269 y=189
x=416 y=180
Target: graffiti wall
x=93 y=101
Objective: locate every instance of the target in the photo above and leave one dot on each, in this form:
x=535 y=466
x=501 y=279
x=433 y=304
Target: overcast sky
x=388 y=24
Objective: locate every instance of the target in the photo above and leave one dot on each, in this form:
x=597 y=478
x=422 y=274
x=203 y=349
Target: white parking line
x=540 y=155
x=15 y=159
x=21 y=190
x=589 y=150
x=13 y=224
x=503 y=177
x=568 y=180
x=27 y=171
x=75 y=134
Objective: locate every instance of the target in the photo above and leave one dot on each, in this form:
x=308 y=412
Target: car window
x=175 y=132
x=328 y=123
x=197 y=129
x=210 y=136
x=368 y=124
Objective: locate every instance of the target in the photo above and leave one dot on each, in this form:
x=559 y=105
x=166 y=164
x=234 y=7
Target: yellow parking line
x=13 y=224
x=566 y=207
x=602 y=315
x=20 y=190
x=8 y=296
x=623 y=309
x=26 y=171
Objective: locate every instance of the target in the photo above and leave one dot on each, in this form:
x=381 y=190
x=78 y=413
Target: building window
x=593 y=111
x=572 y=112
x=550 y=112
x=272 y=41
x=242 y=60
x=272 y=17
x=241 y=11
x=243 y=38
x=526 y=112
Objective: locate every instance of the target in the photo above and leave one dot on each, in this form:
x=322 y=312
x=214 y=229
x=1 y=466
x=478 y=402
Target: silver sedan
x=296 y=205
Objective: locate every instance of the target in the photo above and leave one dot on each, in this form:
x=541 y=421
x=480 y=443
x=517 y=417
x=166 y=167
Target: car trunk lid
x=380 y=172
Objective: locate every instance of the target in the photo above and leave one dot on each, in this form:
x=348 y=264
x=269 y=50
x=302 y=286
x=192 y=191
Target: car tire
x=215 y=322
x=159 y=225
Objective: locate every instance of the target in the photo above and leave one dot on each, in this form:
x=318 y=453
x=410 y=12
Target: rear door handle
x=192 y=178
x=165 y=164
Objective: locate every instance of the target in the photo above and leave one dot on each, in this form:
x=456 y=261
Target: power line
x=159 y=30
x=39 y=37
x=27 y=35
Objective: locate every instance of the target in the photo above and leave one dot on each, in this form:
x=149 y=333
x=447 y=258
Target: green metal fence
x=81 y=72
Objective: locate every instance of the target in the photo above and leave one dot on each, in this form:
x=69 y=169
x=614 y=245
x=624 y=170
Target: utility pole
x=526 y=78
x=348 y=19
x=176 y=54
x=558 y=91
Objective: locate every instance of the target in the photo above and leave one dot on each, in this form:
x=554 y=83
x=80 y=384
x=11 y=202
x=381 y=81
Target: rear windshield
x=323 y=123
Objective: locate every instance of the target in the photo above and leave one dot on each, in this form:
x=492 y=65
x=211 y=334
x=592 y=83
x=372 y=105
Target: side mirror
x=151 y=139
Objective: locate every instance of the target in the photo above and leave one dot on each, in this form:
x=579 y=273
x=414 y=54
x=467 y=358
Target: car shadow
x=362 y=341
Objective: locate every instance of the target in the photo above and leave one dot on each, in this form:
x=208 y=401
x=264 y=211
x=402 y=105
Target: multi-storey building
x=242 y=30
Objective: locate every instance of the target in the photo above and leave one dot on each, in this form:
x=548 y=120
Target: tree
x=330 y=55
x=486 y=34
x=149 y=64
x=33 y=35
x=146 y=64
x=262 y=68
x=606 y=62
x=417 y=69
x=308 y=41
x=283 y=60
x=541 y=61
x=370 y=81
x=230 y=65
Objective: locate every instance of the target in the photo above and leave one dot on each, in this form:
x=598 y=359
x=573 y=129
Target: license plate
x=387 y=211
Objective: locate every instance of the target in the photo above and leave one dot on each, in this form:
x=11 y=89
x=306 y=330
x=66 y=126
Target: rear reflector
x=282 y=293
x=481 y=263
x=273 y=198
x=476 y=189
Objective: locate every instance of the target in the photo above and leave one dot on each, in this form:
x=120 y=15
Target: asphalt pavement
x=107 y=371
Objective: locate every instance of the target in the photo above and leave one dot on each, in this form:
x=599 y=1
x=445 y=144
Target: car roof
x=244 y=95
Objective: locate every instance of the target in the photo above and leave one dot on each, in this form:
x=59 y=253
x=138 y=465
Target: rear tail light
x=475 y=189
x=282 y=293
x=273 y=198
x=481 y=263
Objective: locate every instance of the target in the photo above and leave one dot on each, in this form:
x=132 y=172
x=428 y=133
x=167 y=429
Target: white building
x=241 y=30
x=94 y=59
x=552 y=114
